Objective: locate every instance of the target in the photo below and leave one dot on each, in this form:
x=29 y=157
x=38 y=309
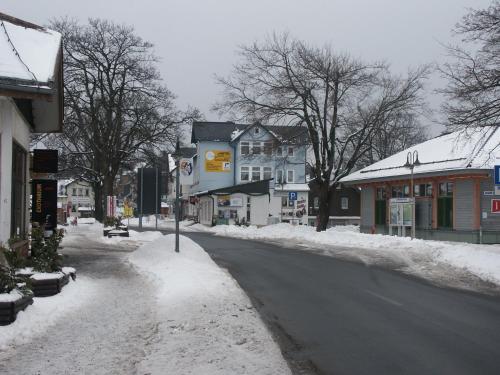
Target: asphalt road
x=346 y=318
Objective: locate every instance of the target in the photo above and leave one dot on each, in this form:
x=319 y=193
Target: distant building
x=31 y=100
x=456 y=198
x=75 y=198
x=344 y=205
x=249 y=173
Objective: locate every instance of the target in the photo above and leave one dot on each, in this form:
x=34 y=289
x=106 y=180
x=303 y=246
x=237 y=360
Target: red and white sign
x=111 y=205
x=495 y=206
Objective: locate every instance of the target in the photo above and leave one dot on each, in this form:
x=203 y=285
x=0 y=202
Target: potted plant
x=14 y=294
x=48 y=277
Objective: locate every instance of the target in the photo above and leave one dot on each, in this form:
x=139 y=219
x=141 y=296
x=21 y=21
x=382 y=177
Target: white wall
x=12 y=127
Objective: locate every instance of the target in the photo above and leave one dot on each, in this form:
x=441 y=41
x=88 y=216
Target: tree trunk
x=99 y=210
x=324 y=206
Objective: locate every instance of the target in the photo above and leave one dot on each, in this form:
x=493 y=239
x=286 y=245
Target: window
x=344 y=203
x=87 y=192
x=256 y=148
x=446 y=189
x=400 y=191
x=74 y=191
x=255 y=173
x=245 y=148
x=279 y=176
x=290 y=151
x=245 y=174
x=80 y=192
x=423 y=190
x=268 y=148
x=380 y=193
x=316 y=203
x=279 y=151
x=290 y=176
x=267 y=173
x=256 y=130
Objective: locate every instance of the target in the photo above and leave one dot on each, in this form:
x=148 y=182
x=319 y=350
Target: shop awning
x=250 y=188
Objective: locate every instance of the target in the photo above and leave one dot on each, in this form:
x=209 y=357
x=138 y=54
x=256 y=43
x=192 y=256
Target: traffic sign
x=495 y=206
x=292 y=195
x=497 y=174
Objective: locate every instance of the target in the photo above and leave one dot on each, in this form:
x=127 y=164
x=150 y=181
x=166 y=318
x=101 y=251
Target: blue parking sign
x=292 y=195
x=497 y=174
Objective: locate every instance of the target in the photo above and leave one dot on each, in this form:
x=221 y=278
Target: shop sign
x=186 y=172
x=236 y=202
x=497 y=174
x=495 y=206
x=217 y=161
x=44 y=209
x=224 y=200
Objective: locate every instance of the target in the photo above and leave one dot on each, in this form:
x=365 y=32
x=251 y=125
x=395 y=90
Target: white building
x=75 y=198
x=30 y=101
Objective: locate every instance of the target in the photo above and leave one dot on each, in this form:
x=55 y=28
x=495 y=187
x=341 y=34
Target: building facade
x=249 y=173
x=75 y=198
x=30 y=101
x=453 y=188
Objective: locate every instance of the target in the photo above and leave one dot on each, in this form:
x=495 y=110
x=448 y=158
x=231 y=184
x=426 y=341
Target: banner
x=217 y=161
x=186 y=172
x=44 y=210
x=111 y=205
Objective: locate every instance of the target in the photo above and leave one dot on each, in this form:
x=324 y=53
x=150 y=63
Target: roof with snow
x=31 y=71
x=230 y=131
x=463 y=151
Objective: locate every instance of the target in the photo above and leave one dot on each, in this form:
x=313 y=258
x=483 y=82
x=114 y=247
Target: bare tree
x=474 y=75
x=396 y=134
x=115 y=104
x=341 y=100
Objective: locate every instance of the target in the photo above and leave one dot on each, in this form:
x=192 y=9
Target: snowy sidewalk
x=451 y=263
x=157 y=313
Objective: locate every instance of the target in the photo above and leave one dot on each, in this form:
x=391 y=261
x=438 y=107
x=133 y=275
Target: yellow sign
x=217 y=161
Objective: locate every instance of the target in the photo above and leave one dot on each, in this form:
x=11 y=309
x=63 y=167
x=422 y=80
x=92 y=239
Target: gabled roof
x=29 y=52
x=31 y=72
x=473 y=150
x=229 y=131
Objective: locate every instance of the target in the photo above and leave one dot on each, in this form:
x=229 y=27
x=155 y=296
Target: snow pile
x=45 y=312
x=165 y=223
x=206 y=323
x=414 y=256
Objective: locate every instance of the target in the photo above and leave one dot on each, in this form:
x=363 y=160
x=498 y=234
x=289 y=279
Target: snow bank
x=46 y=311
x=482 y=261
x=150 y=222
x=207 y=324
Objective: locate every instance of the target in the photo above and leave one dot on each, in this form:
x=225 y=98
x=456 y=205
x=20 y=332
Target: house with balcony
x=75 y=198
x=249 y=173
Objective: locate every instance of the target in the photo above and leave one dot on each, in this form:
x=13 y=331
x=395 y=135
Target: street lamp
x=177 y=158
x=411 y=162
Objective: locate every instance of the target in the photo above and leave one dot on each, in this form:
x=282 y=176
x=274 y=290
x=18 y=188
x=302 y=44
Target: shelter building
x=455 y=195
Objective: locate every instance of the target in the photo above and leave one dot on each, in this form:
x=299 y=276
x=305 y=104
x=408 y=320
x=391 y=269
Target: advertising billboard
x=217 y=161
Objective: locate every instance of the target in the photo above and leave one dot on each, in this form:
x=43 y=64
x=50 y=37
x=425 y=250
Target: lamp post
x=411 y=162
x=177 y=158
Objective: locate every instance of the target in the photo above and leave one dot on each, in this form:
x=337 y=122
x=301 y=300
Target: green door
x=445 y=212
x=380 y=212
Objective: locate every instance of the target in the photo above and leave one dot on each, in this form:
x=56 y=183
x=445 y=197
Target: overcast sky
x=196 y=39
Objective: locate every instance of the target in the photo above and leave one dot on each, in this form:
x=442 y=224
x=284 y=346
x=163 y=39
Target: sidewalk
x=148 y=310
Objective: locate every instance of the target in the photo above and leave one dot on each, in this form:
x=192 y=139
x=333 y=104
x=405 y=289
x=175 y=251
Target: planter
x=48 y=284
x=118 y=233
x=106 y=230
x=9 y=309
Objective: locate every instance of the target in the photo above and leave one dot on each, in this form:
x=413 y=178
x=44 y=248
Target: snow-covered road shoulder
x=207 y=325
x=428 y=259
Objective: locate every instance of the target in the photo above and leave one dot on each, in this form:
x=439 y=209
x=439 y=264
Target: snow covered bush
x=44 y=251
